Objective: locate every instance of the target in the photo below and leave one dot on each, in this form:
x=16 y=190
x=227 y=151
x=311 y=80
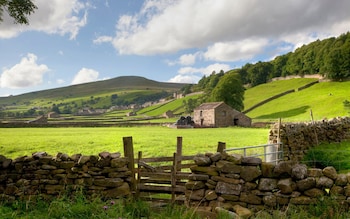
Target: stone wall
x=231 y=182
x=42 y=174
x=297 y=138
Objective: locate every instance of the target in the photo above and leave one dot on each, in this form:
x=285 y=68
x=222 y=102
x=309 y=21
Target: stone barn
x=219 y=114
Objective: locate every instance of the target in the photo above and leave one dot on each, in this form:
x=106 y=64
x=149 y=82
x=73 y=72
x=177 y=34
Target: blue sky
x=72 y=41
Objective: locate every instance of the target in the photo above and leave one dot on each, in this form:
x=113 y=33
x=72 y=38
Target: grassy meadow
x=324 y=99
x=152 y=140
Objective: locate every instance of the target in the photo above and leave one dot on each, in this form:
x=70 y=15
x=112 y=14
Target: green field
x=262 y=92
x=324 y=99
x=152 y=141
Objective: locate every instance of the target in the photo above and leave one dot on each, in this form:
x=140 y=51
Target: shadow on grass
x=285 y=114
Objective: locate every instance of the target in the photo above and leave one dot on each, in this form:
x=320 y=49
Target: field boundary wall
x=298 y=138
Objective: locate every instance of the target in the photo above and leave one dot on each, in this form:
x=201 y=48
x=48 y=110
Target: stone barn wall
x=297 y=138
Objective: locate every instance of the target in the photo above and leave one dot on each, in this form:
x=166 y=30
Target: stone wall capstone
x=43 y=174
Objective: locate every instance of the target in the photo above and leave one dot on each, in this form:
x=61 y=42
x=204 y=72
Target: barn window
x=201 y=113
x=224 y=113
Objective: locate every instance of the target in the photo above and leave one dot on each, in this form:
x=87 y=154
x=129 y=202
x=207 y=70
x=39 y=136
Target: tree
x=19 y=10
x=229 y=90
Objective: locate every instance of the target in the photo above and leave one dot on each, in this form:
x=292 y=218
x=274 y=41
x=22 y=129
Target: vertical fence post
x=221 y=147
x=138 y=180
x=129 y=153
x=178 y=153
x=173 y=178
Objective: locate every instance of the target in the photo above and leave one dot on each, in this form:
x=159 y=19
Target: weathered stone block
x=250 y=198
x=202 y=160
x=210 y=195
x=251 y=161
x=216 y=157
x=303 y=200
x=283 y=169
x=324 y=182
x=109 y=182
x=228 y=189
x=195 y=194
x=306 y=184
x=122 y=190
x=270 y=200
x=224 y=179
x=314 y=192
x=198 y=177
x=119 y=162
x=299 y=171
x=330 y=172
x=250 y=173
x=314 y=172
x=227 y=167
x=242 y=212
x=267 y=184
x=194 y=185
x=286 y=186
x=341 y=180
x=204 y=170
x=337 y=190
x=267 y=170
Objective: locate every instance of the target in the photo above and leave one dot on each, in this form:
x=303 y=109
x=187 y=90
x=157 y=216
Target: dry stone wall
x=297 y=138
x=46 y=175
x=230 y=181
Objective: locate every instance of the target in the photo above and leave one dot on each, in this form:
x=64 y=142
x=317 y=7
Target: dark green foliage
x=329 y=57
x=229 y=90
x=335 y=154
x=17 y=9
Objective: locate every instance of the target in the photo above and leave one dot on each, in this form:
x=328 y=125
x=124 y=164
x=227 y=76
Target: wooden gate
x=159 y=179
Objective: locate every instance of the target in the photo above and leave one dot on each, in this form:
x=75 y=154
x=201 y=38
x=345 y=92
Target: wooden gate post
x=129 y=153
x=221 y=147
x=178 y=153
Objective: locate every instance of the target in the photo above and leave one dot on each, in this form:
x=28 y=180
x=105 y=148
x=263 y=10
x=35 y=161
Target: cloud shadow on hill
x=285 y=114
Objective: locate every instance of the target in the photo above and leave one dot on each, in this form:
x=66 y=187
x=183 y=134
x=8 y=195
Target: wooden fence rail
x=158 y=178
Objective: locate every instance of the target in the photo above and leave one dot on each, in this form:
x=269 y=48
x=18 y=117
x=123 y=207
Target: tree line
x=329 y=58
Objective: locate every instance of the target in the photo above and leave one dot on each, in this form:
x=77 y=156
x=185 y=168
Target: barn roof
x=212 y=105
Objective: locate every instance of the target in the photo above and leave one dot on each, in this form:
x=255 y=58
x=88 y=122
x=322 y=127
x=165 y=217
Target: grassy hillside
x=92 y=89
x=262 y=92
x=324 y=99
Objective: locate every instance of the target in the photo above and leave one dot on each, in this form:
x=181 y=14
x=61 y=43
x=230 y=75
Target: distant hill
x=94 y=89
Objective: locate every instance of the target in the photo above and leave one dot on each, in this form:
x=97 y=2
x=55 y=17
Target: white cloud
x=187 y=59
x=193 y=75
x=217 y=67
x=26 y=73
x=191 y=79
x=235 y=51
x=171 y=26
x=102 y=39
x=85 y=75
x=56 y=17
x=60 y=81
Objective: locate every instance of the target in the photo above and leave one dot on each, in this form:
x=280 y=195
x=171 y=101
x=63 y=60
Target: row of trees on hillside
x=329 y=58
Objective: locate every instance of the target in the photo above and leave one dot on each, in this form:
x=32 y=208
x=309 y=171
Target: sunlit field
x=152 y=141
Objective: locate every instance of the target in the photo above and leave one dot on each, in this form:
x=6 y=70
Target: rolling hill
x=94 y=88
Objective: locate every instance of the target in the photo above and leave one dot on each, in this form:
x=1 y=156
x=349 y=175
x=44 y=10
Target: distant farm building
x=52 y=115
x=168 y=114
x=219 y=114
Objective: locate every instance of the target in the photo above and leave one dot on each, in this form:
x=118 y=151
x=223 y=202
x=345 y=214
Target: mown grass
x=324 y=99
x=152 y=140
x=262 y=92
